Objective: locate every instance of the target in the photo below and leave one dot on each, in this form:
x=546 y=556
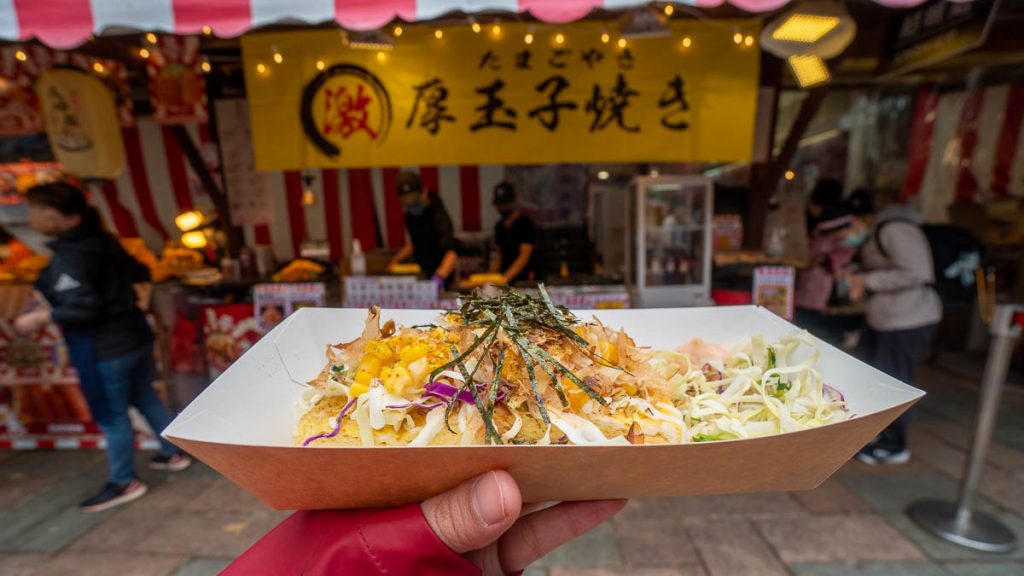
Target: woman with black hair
x=89 y=287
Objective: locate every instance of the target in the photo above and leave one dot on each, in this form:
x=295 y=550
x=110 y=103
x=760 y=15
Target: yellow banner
x=511 y=93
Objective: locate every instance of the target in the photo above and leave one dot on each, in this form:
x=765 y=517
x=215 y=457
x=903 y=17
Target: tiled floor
x=854 y=524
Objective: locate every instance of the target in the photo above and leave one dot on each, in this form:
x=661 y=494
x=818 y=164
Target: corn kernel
x=630 y=389
x=609 y=351
x=371 y=365
x=413 y=352
x=398 y=379
x=356 y=390
x=380 y=349
x=364 y=378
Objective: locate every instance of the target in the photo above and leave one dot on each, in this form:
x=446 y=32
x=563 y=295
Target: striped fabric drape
x=67 y=23
x=158 y=184
x=966 y=146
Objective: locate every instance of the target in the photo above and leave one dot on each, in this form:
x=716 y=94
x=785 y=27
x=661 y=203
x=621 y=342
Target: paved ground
x=194 y=523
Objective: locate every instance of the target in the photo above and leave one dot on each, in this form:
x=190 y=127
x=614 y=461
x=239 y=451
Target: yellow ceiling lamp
x=195 y=239
x=808 y=35
x=189 y=220
x=806 y=28
x=809 y=70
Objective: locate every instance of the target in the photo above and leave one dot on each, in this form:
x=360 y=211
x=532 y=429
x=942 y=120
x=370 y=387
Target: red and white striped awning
x=68 y=23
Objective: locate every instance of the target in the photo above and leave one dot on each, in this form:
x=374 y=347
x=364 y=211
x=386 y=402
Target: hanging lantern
x=809 y=34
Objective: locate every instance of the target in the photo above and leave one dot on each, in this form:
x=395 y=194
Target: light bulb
x=687 y=42
x=99 y=67
x=496 y=30
x=528 y=38
x=143 y=53
x=205 y=66
x=737 y=38
x=261 y=68
x=605 y=38
x=21 y=55
x=278 y=58
x=476 y=27
x=559 y=38
x=381 y=56
x=320 y=65
x=748 y=40
x=207 y=30
x=669 y=9
x=151 y=38
x=397 y=31
x=790 y=175
x=622 y=42
x=438 y=34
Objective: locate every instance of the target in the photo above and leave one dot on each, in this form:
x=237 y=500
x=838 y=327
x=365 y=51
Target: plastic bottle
x=357 y=263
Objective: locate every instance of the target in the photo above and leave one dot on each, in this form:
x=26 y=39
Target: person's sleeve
x=529 y=232
x=910 y=257
x=75 y=296
x=445 y=231
x=394 y=542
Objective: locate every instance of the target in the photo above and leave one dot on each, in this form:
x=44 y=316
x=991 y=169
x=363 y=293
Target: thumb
x=476 y=512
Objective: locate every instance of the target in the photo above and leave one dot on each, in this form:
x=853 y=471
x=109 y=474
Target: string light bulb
x=669 y=9
x=559 y=38
x=320 y=65
x=496 y=30
x=278 y=57
x=476 y=27
x=790 y=175
x=687 y=42
x=261 y=68
x=438 y=34
x=397 y=31
x=622 y=42
x=207 y=30
x=737 y=38
x=143 y=53
x=21 y=55
x=605 y=38
x=748 y=40
x=381 y=56
x=528 y=38
x=205 y=66
x=99 y=67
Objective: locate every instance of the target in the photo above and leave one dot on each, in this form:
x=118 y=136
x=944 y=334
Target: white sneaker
x=880 y=456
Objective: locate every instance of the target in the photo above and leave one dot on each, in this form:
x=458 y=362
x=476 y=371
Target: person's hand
x=484 y=519
x=32 y=321
x=857 y=288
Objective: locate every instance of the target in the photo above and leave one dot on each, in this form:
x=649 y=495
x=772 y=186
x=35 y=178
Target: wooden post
x=220 y=200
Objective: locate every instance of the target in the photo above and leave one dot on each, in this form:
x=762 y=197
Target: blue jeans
x=120 y=382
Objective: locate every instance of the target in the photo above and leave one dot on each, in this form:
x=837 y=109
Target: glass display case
x=668 y=232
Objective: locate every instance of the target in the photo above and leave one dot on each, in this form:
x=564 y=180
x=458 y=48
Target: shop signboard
x=935 y=31
x=512 y=93
x=176 y=85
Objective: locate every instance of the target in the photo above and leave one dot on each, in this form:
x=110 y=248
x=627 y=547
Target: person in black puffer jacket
x=89 y=287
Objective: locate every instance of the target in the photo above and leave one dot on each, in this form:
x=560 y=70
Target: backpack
x=956 y=254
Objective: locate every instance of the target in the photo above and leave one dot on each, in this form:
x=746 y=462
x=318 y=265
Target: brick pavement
x=194 y=523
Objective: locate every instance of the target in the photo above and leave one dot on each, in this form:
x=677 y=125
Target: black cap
x=504 y=193
x=408 y=182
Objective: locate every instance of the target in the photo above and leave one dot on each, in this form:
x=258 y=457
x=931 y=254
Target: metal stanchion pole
x=958 y=522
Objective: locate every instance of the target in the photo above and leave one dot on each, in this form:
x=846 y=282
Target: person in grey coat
x=903 y=310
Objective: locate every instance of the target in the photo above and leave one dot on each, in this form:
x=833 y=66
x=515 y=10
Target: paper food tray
x=242 y=426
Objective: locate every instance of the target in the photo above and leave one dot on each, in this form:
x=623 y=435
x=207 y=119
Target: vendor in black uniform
x=516 y=235
x=430 y=238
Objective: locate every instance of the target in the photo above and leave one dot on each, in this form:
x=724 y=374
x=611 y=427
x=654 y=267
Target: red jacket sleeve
x=392 y=542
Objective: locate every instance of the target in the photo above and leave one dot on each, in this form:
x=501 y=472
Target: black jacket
x=88 y=283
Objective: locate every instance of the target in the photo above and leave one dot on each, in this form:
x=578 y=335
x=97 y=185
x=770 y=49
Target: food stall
x=254 y=170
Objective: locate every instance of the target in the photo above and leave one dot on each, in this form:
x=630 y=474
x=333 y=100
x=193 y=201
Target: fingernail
x=488 y=500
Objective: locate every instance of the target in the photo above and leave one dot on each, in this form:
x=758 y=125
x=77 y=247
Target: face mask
x=855 y=240
x=505 y=213
x=416 y=208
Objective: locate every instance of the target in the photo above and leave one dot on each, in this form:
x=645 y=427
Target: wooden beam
x=220 y=199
